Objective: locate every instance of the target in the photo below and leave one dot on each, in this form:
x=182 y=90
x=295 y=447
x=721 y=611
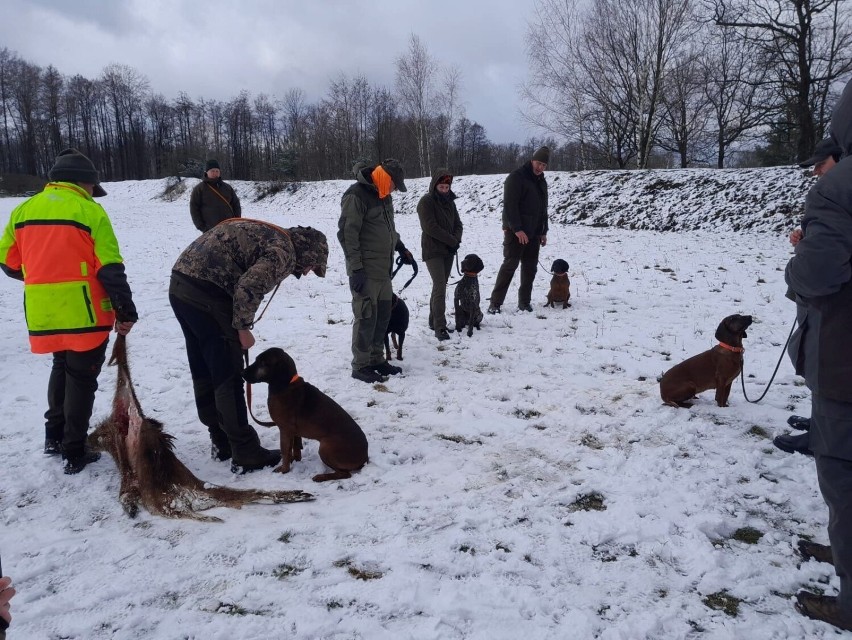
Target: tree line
x=132 y=132
x=627 y=80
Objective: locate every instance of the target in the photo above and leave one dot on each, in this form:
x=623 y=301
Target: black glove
x=358 y=280
x=454 y=250
x=406 y=256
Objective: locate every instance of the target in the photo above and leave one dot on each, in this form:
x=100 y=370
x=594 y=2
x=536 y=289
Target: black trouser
x=514 y=253
x=71 y=396
x=216 y=364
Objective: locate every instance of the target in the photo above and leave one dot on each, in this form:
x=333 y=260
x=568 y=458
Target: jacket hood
x=311 y=249
x=439 y=173
x=363 y=172
x=841 y=120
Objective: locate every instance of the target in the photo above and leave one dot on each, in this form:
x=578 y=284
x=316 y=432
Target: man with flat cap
x=61 y=244
x=367 y=233
x=525 y=227
x=213 y=200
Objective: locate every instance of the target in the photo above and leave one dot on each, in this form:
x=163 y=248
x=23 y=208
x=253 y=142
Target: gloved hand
x=358 y=280
x=454 y=250
x=406 y=256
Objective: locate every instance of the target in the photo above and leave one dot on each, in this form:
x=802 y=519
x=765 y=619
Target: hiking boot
x=813 y=551
x=75 y=462
x=220 y=452
x=366 y=374
x=525 y=307
x=442 y=334
x=263 y=458
x=799 y=423
x=52 y=447
x=493 y=308
x=386 y=369
x=794 y=444
x=825 y=608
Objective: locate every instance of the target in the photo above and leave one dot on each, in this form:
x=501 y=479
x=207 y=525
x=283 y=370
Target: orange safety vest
x=59 y=239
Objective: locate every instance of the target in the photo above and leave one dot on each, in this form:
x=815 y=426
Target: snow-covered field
x=523 y=483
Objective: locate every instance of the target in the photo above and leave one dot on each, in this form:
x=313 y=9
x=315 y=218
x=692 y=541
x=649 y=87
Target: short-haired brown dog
x=299 y=410
x=560 y=285
x=716 y=368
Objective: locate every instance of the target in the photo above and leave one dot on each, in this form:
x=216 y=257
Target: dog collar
x=561 y=275
x=472 y=274
x=730 y=348
x=295 y=379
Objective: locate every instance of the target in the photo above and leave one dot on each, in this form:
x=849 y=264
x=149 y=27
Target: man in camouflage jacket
x=368 y=236
x=217 y=285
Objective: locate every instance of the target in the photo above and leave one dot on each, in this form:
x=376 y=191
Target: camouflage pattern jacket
x=245 y=258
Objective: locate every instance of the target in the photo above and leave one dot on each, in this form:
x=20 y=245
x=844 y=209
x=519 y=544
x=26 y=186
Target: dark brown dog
x=466 y=296
x=716 y=368
x=560 y=285
x=397 y=326
x=151 y=473
x=299 y=410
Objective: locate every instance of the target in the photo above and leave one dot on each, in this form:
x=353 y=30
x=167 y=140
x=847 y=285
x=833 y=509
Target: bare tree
x=450 y=109
x=415 y=73
x=685 y=110
x=806 y=45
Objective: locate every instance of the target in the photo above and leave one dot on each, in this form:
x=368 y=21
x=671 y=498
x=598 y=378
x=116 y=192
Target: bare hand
x=6 y=593
x=246 y=339
x=543 y=240
x=795 y=236
x=123 y=328
x=522 y=237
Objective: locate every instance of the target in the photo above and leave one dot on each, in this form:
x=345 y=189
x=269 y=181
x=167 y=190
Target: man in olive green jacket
x=368 y=236
x=442 y=234
x=213 y=200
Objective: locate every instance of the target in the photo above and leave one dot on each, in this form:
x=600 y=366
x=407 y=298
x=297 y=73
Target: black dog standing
x=466 y=298
x=397 y=326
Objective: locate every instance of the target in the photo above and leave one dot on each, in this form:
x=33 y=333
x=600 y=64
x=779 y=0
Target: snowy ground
x=525 y=482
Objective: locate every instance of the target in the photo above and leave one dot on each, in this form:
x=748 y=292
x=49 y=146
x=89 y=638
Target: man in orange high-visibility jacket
x=61 y=244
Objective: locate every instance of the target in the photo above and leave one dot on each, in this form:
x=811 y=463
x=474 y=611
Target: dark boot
x=220 y=447
x=258 y=460
x=52 y=447
x=386 y=369
x=442 y=334
x=799 y=423
x=368 y=375
x=814 y=551
x=794 y=444
x=824 y=608
x=77 y=457
x=524 y=306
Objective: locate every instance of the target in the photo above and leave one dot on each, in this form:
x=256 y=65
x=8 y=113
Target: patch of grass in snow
x=284 y=571
x=758 y=431
x=526 y=414
x=749 y=535
x=457 y=439
x=364 y=574
x=286 y=537
x=723 y=601
x=590 y=441
x=233 y=609
x=593 y=501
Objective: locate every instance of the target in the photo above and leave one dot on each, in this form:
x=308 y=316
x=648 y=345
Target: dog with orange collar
x=716 y=368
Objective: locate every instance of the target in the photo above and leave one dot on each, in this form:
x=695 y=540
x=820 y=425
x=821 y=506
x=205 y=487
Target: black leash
x=399 y=262
x=768 y=384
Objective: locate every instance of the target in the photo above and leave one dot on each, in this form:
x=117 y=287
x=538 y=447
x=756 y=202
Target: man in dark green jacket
x=525 y=228
x=368 y=236
x=213 y=200
x=442 y=234
x=820 y=276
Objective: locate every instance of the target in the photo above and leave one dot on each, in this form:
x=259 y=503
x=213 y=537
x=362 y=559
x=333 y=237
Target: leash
x=768 y=384
x=399 y=262
x=263 y=423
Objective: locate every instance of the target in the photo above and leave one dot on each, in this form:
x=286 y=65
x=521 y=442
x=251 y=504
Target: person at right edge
x=525 y=228
x=819 y=276
x=368 y=236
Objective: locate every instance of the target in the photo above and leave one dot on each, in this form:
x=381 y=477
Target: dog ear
x=724 y=332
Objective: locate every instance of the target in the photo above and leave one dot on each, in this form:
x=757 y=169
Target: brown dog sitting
x=560 y=285
x=716 y=368
x=299 y=410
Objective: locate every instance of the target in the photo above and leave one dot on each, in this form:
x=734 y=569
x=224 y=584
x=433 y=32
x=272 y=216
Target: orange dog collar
x=471 y=273
x=730 y=348
x=295 y=378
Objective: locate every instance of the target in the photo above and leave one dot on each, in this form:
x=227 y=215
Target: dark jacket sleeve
x=195 y=207
x=235 y=204
x=513 y=190
x=426 y=211
x=114 y=280
x=12 y=273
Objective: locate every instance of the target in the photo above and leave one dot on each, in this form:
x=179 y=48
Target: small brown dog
x=560 y=285
x=716 y=368
x=151 y=474
x=299 y=410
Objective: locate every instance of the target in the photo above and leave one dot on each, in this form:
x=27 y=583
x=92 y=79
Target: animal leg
x=387 y=347
x=336 y=475
x=288 y=441
x=722 y=393
x=297 y=448
x=399 y=346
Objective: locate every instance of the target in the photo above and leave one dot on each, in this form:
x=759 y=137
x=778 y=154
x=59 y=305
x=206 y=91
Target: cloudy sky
x=215 y=49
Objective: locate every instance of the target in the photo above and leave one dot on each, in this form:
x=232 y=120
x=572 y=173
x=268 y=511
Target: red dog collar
x=730 y=348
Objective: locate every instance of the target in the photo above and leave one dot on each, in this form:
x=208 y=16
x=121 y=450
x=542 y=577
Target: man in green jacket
x=442 y=234
x=368 y=236
x=524 y=229
x=213 y=200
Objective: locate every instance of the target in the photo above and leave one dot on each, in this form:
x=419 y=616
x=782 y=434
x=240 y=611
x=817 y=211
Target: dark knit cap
x=396 y=172
x=311 y=249
x=211 y=164
x=542 y=155
x=824 y=149
x=73 y=166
